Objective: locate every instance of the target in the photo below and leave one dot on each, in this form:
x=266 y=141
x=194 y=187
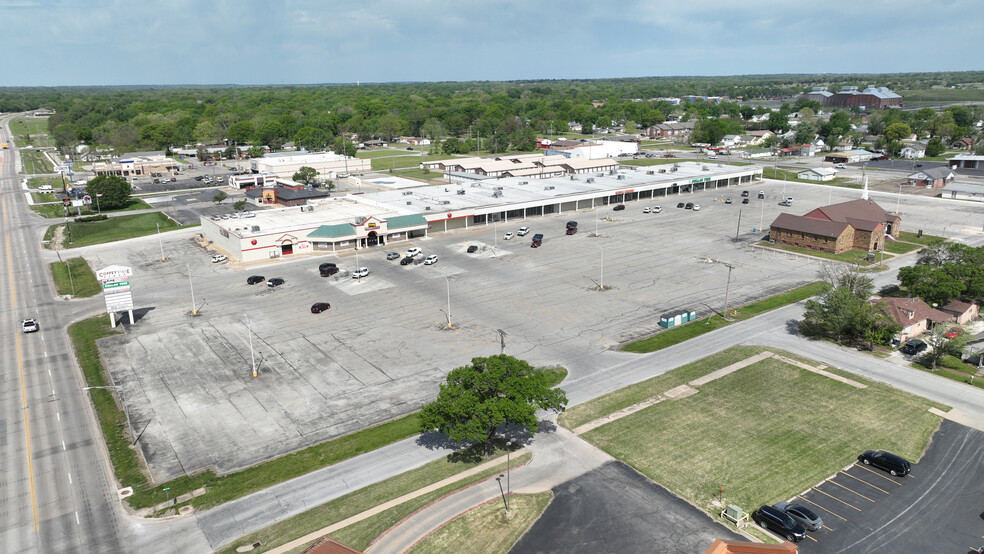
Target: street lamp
x=249 y=332
x=601 y=279
x=449 y=324
x=727 y=289
x=509 y=444
x=122 y=401
x=159 y=242
x=898 y=204
x=194 y=310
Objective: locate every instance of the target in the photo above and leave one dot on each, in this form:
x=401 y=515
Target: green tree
x=777 y=122
x=202 y=154
x=113 y=191
x=239 y=205
x=205 y=133
x=344 y=147
x=306 y=175
x=219 y=197
x=934 y=284
x=935 y=147
x=241 y=132
x=897 y=131
x=433 y=129
x=231 y=152
x=941 y=346
x=844 y=313
x=491 y=392
x=451 y=146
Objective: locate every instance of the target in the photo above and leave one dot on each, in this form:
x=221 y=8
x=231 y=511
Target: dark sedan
x=802 y=514
x=896 y=465
x=472 y=249
x=619 y=207
x=319 y=307
x=680 y=204
x=406 y=261
x=255 y=279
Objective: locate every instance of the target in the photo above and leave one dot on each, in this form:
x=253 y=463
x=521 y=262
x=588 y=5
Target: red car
x=320 y=307
x=571 y=230
x=536 y=244
x=953 y=333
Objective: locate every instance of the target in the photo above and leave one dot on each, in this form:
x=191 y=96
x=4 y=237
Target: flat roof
x=328 y=211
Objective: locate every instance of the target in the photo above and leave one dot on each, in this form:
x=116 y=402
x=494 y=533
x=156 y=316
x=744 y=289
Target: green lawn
x=118 y=228
x=718 y=438
x=419 y=174
x=80 y=282
x=850 y=256
x=660 y=145
x=924 y=240
x=679 y=334
x=896 y=247
x=41 y=197
x=360 y=534
x=783 y=175
x=487 y=529
x=402 y=162
x=35 y=162
x=384 y=153
x=22 y=126
x=38 y=182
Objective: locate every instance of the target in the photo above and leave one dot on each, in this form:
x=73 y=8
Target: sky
x=167 y=42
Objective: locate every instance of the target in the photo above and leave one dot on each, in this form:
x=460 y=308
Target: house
x=730 y=140
x=933 y=177
x=913 y=314
x=756 y=153
x=855 y=225
x=965 y=143
x=817 y=174
x=961 y=311
x=671 y=129
x=913 y=151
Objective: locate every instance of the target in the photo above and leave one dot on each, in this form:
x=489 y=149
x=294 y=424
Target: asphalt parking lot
x=615 y=509
x=382 y=348
x=867 y=510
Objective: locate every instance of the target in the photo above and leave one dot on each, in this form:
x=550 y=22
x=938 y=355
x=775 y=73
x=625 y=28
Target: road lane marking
x=837 y=499
x=876 y=473
x=77 y=518
x=63 y=445
x=69 y=478
x=828 y=510
x=20 y=372
x=865 y=482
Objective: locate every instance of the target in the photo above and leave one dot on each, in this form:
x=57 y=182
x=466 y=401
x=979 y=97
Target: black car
x=619 y=207
x=779 y=522
x=689 y=205
x=327 y=269
x=802 y=514
x=744 y=194
x=572 y=224
x=680 y=204
x=319 y=307
x=254 y=279
x=744 y=201
x=896 y=465
x=392 y=255
x=471 y=249
x=275 y=282
x=406 y=261
x=913 y=347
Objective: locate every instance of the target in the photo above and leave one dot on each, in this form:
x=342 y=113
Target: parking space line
x=811 y=538
x=835 y=498
x=828 y=510
x=878 y=474
x=865 y=482
x=850 y=490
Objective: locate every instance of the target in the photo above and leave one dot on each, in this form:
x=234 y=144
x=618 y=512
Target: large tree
x=843 y=312
x=491 y=392
x=306 y=175
x=113 y=191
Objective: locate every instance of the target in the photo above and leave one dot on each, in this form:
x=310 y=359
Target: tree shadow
x=794 y=327
x=434 y=440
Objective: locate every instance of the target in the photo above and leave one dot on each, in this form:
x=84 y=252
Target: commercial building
x=934 y=177
x=390 y=216
x=869 y=98
x=966 y=161
x=817 y=174
x=855 y=225
x=136 y=164
x=327 y=164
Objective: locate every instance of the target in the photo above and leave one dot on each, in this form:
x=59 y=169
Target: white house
x=913 y=151
x=730 y=140
x=817 y=174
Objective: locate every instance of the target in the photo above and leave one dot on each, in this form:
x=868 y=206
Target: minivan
x=779 y=522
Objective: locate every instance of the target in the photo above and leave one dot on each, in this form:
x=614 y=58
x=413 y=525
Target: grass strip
x=784 y=175
x=33 y=161
x=360 y=534
x=59 y=210
x=75 y=277
x=486 y=528
x=850 y=256
x=924 y=240
x=118 y=228
x=693 y=329
x=897 y=247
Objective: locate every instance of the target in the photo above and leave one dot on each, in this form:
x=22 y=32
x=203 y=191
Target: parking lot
x=383 y=347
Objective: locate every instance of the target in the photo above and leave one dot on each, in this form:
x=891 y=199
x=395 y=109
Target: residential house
x=671 y=129
x=817 y=174
x=858 y=224
x=913 y=151
x=913 y=314
x=934 y=177
x=965 y=143
x=963 y=312
x=285 y=195
x=756 y=153
x=730 y=140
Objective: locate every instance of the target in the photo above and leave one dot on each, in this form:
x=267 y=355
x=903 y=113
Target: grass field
x=850 y=256
x=21 y=126
x=932 y=96
x=362 y=154
x=57 y=210
x=360 y=534
x=38 y=182
x=676 y=335
x=924 y=240
x=81 y=282
x=119 y=228
x=420 y=174
x=402 y=162
x=486 y=528
x=764 y=433
x=784 y=175
x=896 y=247
x=35 y=162
x=660 y=161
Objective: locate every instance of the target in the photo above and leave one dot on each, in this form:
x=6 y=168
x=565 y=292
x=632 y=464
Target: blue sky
x=142 y=42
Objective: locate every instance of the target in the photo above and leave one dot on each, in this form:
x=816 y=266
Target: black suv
x=327 y=269
x=254 y=279
x=913 y=347
x=779 y=522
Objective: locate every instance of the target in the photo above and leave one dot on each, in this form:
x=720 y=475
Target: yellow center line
x=837 y=499
x=850 y=490
x=20 y=371
x=876 y=473
x=865 y=482
x=828 y=510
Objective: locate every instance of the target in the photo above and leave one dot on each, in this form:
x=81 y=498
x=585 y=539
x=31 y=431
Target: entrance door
x=372 y=239
x=286 y=248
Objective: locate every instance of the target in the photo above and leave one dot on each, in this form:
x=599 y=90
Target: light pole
x=122 y=401
x=495 y=233
x=359 y=273
x=160 y=242
x=762 y=217
x=898 y=203
x=449 y=324
x=249 y=332
x=601 y=278
x=508 y=452
x=194 y=310
x=596 y=220
x=727 y=289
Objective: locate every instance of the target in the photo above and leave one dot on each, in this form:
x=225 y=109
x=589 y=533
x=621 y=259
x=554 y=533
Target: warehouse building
x=327 y=164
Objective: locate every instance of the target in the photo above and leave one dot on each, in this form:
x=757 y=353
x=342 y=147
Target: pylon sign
x=115 y=281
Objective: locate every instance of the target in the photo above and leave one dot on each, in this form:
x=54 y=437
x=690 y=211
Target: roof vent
x=549 y=187
x=651 y=172
x=409 y=202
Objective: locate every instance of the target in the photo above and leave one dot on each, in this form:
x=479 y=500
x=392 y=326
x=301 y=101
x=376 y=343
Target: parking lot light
x=449 y=324
x=249 y=333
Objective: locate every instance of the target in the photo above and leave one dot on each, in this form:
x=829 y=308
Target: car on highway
x=414 y=252
x=406 y=261
x=392 y=255
x=30 y=325
x=507 y=236
x=319 y=307
x=219 y=258
x=360 y=272
x=619 y=207
x=430 y=260
x=780 y=523
x=896 y=465
x=472 y=249
x=802 y=514
x=255 y=279
x=523 y=231
x=913 y=347
x=275 y=282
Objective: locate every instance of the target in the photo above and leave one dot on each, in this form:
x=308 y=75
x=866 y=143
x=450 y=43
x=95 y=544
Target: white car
x=840 y=166
x=696 y=207
x=361 y=272
x=657 y=209
x=508 y=235
x=523 y=231
x=413 y=252
x=29 y=325
x=646 y=210
x=431 y=260
x=219 y=258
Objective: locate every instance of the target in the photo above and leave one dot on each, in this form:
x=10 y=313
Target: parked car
x=744 y=201
x=523 y=231
x=953 y=333
x=680 y=204
x=727 y=200
x=689 y=205
x=254 y=279
x=406 y=261
x=696 y=207
x=571 y=224
x=761 y=194
x=840 y=166
x=668 y=156
x=30 y=325
x=327 y=269
x=913 y=347
x=473 y=248
x=646 y=210
x=431 y=260
x=275 y=282
x=744 y=194
x=360 y=272
x=896 y=465
x=619 y=207
x=414 y=252
x=657 y=209
x=536 y=243
x=508 y=236
x=538 y=236
x=802 y=514
x=786 y=203
x=392 y=255
x=571 y=230
x=219 y=258
x=319 y=307
x=779 y=522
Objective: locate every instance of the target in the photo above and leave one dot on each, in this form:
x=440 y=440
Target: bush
x=90 y=218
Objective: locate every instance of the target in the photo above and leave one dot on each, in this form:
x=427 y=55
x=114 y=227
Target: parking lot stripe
x=845 y=487
x=828 y=510
x=811 y=538
x=837 y=499
x=865 y=482
x=890 y=480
